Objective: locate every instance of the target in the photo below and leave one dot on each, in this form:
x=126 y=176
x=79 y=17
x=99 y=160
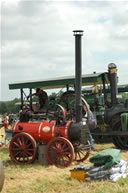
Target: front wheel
x=22 y=148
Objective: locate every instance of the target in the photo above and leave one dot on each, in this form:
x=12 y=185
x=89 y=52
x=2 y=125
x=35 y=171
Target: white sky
x=37 y=40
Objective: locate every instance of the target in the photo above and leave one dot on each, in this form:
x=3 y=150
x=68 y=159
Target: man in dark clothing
x=42 y=95
x=24 y=115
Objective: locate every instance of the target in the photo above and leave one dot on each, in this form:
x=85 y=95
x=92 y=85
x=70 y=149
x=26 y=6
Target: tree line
x=9 y=106
x=12 y=107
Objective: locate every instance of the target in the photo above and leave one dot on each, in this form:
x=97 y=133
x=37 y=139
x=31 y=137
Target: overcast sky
x=37 y=40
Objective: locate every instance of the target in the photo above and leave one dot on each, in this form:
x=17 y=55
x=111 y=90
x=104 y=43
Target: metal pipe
x=31 y=98
x=22 y=100
x=104 y=90
x=78 y=72
x=113 y=82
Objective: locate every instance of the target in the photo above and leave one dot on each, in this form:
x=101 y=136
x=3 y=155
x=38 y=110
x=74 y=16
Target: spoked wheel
x=81 y=152
x=50 y=112
x=57 y=113
x=60 y=114
x=68 y=101
x=120 y=142
x=59 y=152
x=22 y=148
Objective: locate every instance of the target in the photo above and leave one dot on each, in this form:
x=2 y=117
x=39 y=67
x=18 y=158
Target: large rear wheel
x=68 y=101
x=56 y=112
x=59 y=152
x=120 y=142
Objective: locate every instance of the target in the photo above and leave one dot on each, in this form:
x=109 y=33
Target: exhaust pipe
x=79 y=129
x=78 y=73
x=112 y=69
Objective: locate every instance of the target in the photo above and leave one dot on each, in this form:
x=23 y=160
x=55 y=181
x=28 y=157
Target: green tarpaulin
x=107 y=157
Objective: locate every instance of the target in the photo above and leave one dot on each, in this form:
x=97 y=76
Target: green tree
x=3 y=108
x=9 y=106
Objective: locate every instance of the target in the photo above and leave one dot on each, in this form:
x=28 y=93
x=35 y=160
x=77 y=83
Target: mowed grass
x=35 y=178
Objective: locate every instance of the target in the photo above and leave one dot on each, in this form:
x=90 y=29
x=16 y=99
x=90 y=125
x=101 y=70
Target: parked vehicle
x=59 y=124
x=66 y=139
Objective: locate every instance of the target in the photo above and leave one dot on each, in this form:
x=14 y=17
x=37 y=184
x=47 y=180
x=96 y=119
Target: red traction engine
x=64 y=143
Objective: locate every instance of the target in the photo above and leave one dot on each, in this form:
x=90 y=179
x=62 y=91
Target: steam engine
x=64 y=141
x=117 y=115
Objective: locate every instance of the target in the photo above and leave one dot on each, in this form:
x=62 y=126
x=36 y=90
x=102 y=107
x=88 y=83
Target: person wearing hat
x=42 y=95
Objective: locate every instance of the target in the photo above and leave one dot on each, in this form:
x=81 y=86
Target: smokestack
x=78 y=73
x=112 y=69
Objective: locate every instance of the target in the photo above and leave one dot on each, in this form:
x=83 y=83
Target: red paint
x=42 y=131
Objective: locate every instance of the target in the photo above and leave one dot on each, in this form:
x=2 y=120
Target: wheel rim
x=56 y=112
x=50 y=112
x=79 y=153
x=22 y=148
x=60 y=114
x=59 y=152
x=68 y=101
x=120 y=141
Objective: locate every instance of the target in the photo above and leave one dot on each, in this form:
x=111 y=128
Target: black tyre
x=1 y=175
x=120 y=142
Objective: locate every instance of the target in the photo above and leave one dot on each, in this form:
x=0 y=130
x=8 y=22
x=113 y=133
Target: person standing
x=42 y=95
x=91 y=124
x=6 y=121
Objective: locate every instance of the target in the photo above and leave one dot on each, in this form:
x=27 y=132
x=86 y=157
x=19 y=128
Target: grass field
x=35 y=178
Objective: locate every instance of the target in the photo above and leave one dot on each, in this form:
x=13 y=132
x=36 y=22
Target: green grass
x=35 y=178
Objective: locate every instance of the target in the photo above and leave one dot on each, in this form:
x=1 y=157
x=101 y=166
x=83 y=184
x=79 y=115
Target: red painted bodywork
x=42 y=131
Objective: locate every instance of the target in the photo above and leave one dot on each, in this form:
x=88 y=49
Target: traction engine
x=65 y=139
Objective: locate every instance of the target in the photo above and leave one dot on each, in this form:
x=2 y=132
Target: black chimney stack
x=113 y=82
x=78 y=73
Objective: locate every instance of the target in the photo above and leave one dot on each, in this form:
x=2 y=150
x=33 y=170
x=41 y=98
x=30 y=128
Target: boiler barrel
x=40 y=131
x=43 y=131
